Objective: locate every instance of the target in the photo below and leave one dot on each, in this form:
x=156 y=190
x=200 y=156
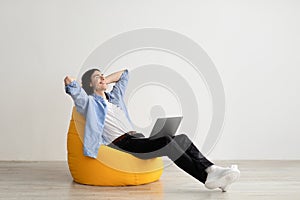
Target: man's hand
x=114 y=77
x=68 y=80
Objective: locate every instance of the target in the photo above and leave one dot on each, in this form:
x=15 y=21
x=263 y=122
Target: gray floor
x=52 y=180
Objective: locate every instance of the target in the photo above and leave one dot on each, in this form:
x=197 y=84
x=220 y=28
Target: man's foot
x=220 y=177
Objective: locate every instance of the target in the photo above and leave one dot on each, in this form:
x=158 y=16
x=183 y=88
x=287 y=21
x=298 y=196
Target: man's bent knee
x=183 y=141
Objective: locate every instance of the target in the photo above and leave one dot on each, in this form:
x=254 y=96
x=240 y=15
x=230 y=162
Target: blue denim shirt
x=94 y=109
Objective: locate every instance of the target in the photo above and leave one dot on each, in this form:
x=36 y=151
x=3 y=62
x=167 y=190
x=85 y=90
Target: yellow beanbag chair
x=112 y=167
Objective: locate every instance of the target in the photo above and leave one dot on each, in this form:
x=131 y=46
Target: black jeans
x=179 y=149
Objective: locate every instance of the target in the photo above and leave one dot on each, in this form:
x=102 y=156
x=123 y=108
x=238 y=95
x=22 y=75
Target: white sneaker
x=222 y=178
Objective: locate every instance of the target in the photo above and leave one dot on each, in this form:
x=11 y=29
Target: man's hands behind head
x=68 y=80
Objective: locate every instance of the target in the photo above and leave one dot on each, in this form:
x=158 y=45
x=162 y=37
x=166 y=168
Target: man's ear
x=91 y=84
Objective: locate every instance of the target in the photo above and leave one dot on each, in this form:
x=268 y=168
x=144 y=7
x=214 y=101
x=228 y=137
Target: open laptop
x=165 y=126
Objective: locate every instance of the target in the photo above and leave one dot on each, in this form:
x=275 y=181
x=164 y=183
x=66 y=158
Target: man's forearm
x=114 y=77
x=78 y=94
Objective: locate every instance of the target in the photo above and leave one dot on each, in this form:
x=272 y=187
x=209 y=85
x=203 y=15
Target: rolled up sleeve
x=78 y=95
x=120 y=87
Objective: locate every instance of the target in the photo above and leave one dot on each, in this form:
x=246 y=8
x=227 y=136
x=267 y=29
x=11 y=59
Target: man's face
x=98 y=81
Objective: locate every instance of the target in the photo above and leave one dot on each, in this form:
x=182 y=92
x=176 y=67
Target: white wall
x=255 y=46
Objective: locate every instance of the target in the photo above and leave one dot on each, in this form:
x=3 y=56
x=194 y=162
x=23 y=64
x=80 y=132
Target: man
x=108 y=123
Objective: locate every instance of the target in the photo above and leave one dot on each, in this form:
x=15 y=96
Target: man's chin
x=102 y=88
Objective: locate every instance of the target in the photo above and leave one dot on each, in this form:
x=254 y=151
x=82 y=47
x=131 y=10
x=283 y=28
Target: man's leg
x=213 y=176
x=179 y=149
x=188 y=147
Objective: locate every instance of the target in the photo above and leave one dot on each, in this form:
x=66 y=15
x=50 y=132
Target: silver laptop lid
x=166 y=126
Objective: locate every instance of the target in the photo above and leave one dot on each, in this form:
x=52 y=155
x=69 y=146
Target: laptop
x=165 y=126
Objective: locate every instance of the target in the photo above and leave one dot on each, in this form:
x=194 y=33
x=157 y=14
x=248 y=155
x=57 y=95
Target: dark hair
x=86 y=80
